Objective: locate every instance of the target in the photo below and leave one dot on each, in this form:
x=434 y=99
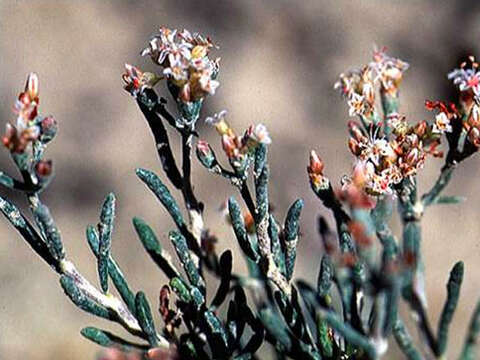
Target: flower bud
x=161 y=353
x=43 y=168
x=430 y=105
x=229 y=146
x=316 y=164
x=48 y=129
x=355 y=131
x=315 y=173
x=31 y=87
x=354 y=147
x=205 y=154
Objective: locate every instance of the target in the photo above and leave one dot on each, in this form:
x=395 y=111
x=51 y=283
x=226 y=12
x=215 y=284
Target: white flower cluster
x=185 y=62
x=359 y=85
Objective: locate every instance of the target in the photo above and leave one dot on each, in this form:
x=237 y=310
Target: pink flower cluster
x=389 y=149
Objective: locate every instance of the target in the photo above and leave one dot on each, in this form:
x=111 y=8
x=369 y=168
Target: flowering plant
x=352 y=311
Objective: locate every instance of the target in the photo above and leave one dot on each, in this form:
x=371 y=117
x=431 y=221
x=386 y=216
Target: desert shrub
x=351 y=311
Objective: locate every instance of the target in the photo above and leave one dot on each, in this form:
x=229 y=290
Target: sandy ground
x=279 y=62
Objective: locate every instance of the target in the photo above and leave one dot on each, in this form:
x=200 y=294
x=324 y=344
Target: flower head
x=467 y=79
x=185 y=60
x=359 y=87
x=387 y=150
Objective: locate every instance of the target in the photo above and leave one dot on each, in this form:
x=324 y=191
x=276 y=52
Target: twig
x=161 y=140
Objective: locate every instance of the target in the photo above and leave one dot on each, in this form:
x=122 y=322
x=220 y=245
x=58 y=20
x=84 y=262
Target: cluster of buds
x=237 y=148
x=359 y=86
x=136 y=81
x=185 y=62
x=383 y=162
x=28 y=126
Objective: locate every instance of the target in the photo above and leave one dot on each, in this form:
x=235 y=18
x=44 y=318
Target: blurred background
x=279 y=62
